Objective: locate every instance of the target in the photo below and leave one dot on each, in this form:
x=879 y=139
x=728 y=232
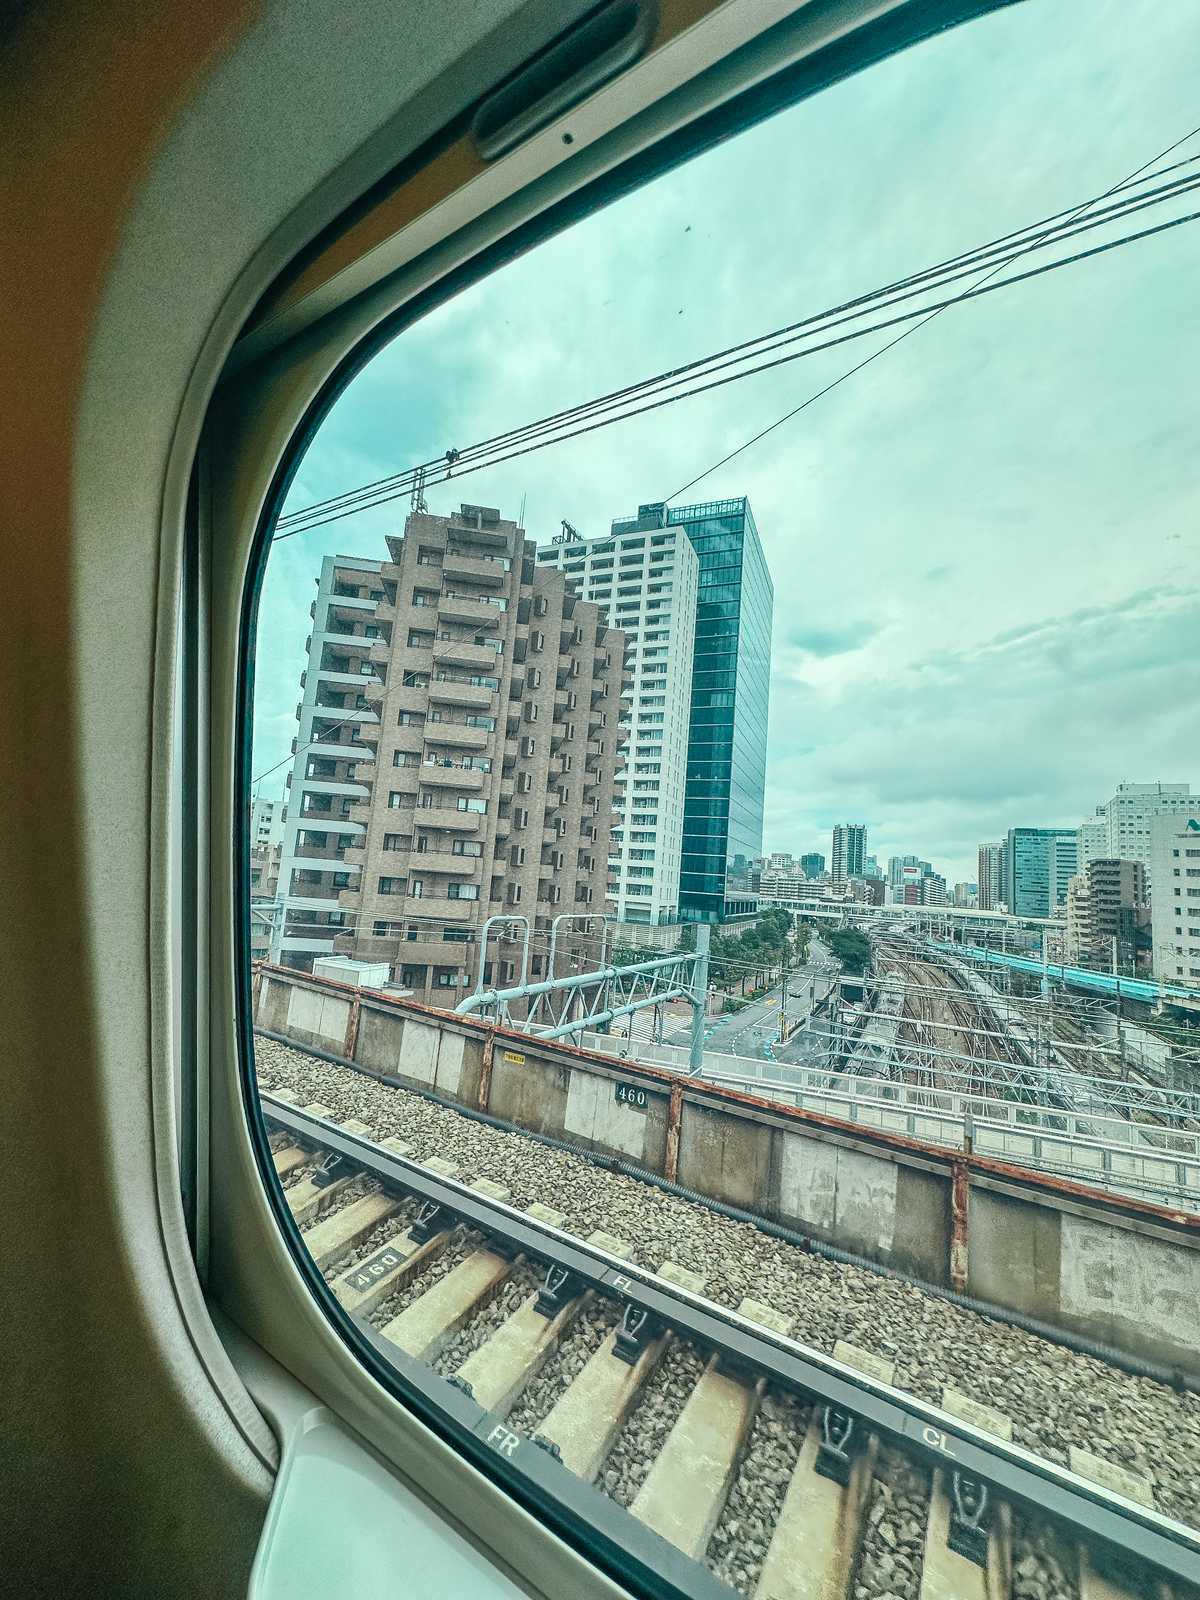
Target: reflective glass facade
x=727 y=735
x=1029 y=869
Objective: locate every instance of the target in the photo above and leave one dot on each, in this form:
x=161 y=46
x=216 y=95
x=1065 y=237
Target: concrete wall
x=1115 y=1270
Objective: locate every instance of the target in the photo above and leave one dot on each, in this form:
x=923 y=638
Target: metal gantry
x=591 y=1001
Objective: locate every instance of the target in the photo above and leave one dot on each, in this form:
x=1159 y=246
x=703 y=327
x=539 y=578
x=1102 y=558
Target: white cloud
x=1021 y=467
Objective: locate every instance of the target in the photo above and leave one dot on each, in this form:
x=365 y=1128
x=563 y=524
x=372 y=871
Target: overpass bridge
x=1148 y=990
x=947 y=921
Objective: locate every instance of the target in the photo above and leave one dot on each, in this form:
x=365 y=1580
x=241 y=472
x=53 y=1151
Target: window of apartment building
x=466 y=847
x=419 y=640
x=462 y=891
x=405 y=758
x=416 y=888
x=391 y=886
x=473 y=804
x=426 y=597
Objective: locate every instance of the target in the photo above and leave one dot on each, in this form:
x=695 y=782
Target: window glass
x=905 y=739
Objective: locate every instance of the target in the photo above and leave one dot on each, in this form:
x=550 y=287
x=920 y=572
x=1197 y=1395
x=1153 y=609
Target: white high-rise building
x=1130 y=815
x=647 y=580
x=1175 y=896
x=849 y=854
x=266 y=824
x=1091 y=839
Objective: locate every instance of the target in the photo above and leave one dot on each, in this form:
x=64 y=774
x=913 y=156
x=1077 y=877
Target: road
x=748 y=1032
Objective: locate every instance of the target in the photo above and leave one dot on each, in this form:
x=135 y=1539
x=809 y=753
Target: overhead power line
x=649 y=394
x=976 y=289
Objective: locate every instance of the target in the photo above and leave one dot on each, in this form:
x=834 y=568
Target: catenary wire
x=963 y=265
x=981 y=287
x=925 y=314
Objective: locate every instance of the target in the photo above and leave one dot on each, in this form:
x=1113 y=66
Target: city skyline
x=976 y=604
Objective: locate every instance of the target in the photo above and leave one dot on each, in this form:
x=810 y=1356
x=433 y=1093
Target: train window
x=805 y=1202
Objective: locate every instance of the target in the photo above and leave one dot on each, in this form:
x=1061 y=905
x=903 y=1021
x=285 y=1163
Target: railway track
x=728 y=1456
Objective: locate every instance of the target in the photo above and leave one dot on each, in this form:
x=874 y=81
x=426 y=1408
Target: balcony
x=471 y=695
x=461 y=608
x=475 y=569
x=457 y=734
x=351 y=643
x=448 y=817
x=436 y=776
x=337 y=752
x=439 y=909
x=507 y=789
x=599 y=689
x=558 y=732
x=422 y=862
x=462 y=653
x=409 y=698
x=351 y=944
x=487 y=538
x=350 y=607
x=332 y=786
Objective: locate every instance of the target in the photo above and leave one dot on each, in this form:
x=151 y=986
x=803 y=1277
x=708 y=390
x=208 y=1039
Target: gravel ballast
x=1054 y=1397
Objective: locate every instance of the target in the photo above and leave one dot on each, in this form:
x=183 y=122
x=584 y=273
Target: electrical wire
x=324 y=512
x=979 y=288
x=966 y=262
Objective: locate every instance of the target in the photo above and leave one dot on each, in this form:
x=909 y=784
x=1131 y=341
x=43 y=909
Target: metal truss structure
x=591 y=1001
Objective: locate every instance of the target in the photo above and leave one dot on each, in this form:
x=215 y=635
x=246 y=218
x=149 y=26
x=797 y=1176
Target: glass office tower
x=731 y=682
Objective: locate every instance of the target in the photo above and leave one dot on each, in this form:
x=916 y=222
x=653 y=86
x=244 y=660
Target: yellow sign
x=514 y=1056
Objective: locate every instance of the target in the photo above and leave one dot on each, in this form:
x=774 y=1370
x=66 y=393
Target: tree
x=852 y=949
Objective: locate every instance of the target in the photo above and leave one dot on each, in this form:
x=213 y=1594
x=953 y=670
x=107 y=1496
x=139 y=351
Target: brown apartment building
x=1108 y=907
x=457 y=757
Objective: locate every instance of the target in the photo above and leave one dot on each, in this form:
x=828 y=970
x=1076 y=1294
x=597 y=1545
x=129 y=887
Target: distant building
x=966 y=896
x=267 y=818
x=896 y=868
x=849 y=851
x=1064 y=863
x=867 y=891
x=1092 y=838
x=1130 y=817
x=1175 y=897
x=872 y=869
x=992 y=876
x=933 y=889
x=1106 y=908
x=1038 y=865
x=812 y=865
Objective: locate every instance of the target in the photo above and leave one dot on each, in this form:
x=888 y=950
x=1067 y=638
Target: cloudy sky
x=986 y=546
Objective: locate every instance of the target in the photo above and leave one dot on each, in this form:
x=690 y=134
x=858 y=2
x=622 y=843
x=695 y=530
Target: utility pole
x=699 y=998
x=783 y=1000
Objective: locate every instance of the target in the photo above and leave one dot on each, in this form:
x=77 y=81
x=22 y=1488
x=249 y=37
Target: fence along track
x=732 y=1459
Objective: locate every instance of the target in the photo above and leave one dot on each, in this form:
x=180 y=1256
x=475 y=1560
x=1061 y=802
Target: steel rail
x=939 y=1438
